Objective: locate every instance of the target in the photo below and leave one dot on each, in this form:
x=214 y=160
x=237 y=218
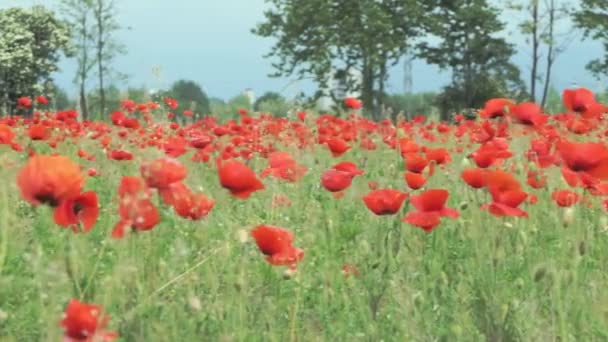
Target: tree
x=190 y=96
x=540 y=26
x=468 y=47
x=592 y=18
x=79 y=14
x=271 y=102
x=323 y=39
x=107 y=48
x=31 y=43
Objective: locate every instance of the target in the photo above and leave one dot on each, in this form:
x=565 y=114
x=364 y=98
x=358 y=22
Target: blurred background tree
x=32 y=41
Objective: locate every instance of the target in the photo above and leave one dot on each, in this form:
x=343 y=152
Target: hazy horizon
x=210 y=42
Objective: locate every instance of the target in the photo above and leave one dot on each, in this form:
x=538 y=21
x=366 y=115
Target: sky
x=209 y=41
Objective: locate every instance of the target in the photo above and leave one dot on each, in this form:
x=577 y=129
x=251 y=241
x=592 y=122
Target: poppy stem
x=69 y=268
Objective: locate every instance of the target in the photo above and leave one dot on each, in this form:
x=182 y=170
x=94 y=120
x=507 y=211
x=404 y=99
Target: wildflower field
x=312 y=227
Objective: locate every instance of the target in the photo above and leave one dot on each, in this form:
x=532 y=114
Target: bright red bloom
x=135 y=207
x=536 y=180
x=352 y=103
x=337 y=146
x=276 y=244
x=430 y=207
x=6 y=134
x=580 y=100
x=348 y=167
x=496 y=108
x=86 y=323
x=283 y=166
x=335 y=181
x=415 y=162
x=384 y=201
x=120 y=155
x=192 y=205
x=239 y=179
x=42 y=100
x=583 y=159
x=83 y=209
x=49 y=180
x=171 y=103
x=529 y=113
x=475 y=178
x=506 y=195
x=414 y=181
x=38 y=132
x=565 y=198
x=24 y=102
x=162 y=172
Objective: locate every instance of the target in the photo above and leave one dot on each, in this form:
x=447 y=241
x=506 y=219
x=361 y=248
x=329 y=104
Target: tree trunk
x=550 y=53
x=367 y=88
x=535 y=45
x=84 y=70
x=100 y=51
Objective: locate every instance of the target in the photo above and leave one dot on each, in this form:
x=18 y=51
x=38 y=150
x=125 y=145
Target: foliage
x=592 y=18
x=190 y=95
x=325 y=39
x=31 y=43
x=412 y=104
x=272 y=102
x=226 y=110
x=468 y=47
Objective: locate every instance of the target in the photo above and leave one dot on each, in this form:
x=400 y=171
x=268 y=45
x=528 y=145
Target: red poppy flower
x=414 y=181
x=335 y=181
x=276 y=244
x=580 y=100
x=475 y=178
x=82 y=209
x=120 y=155
x=171 y=103
x=337 y=146
x=38 y=132
x=348 y=167
x=506 y=195
x=49 y=180
x=24 y=102
x=6 y=134
x=430 y=207
x=86 y=323
x=193 y=205
x=135 y=207
x=352 y=103
x=42 y=100
x=496 y=108
x=583 y=159
x=162 y=172
x=384 y=201
x=283 y=166
x=536 y=180
x=529 y=113
x=415 y=162
x=565 y=198
x=239 y=179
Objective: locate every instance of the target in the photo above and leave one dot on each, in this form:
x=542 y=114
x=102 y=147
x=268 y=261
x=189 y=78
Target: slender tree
x=79 y=14
x=540 y=27
x=107 y=48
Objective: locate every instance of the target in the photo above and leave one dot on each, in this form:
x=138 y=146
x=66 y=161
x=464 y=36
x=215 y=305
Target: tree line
x=314 y=38
x=322 y=40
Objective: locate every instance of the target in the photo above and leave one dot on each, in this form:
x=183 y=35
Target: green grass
x=475 y=278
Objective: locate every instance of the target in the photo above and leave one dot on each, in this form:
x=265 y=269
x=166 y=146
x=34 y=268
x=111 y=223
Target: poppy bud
x=568 y=216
